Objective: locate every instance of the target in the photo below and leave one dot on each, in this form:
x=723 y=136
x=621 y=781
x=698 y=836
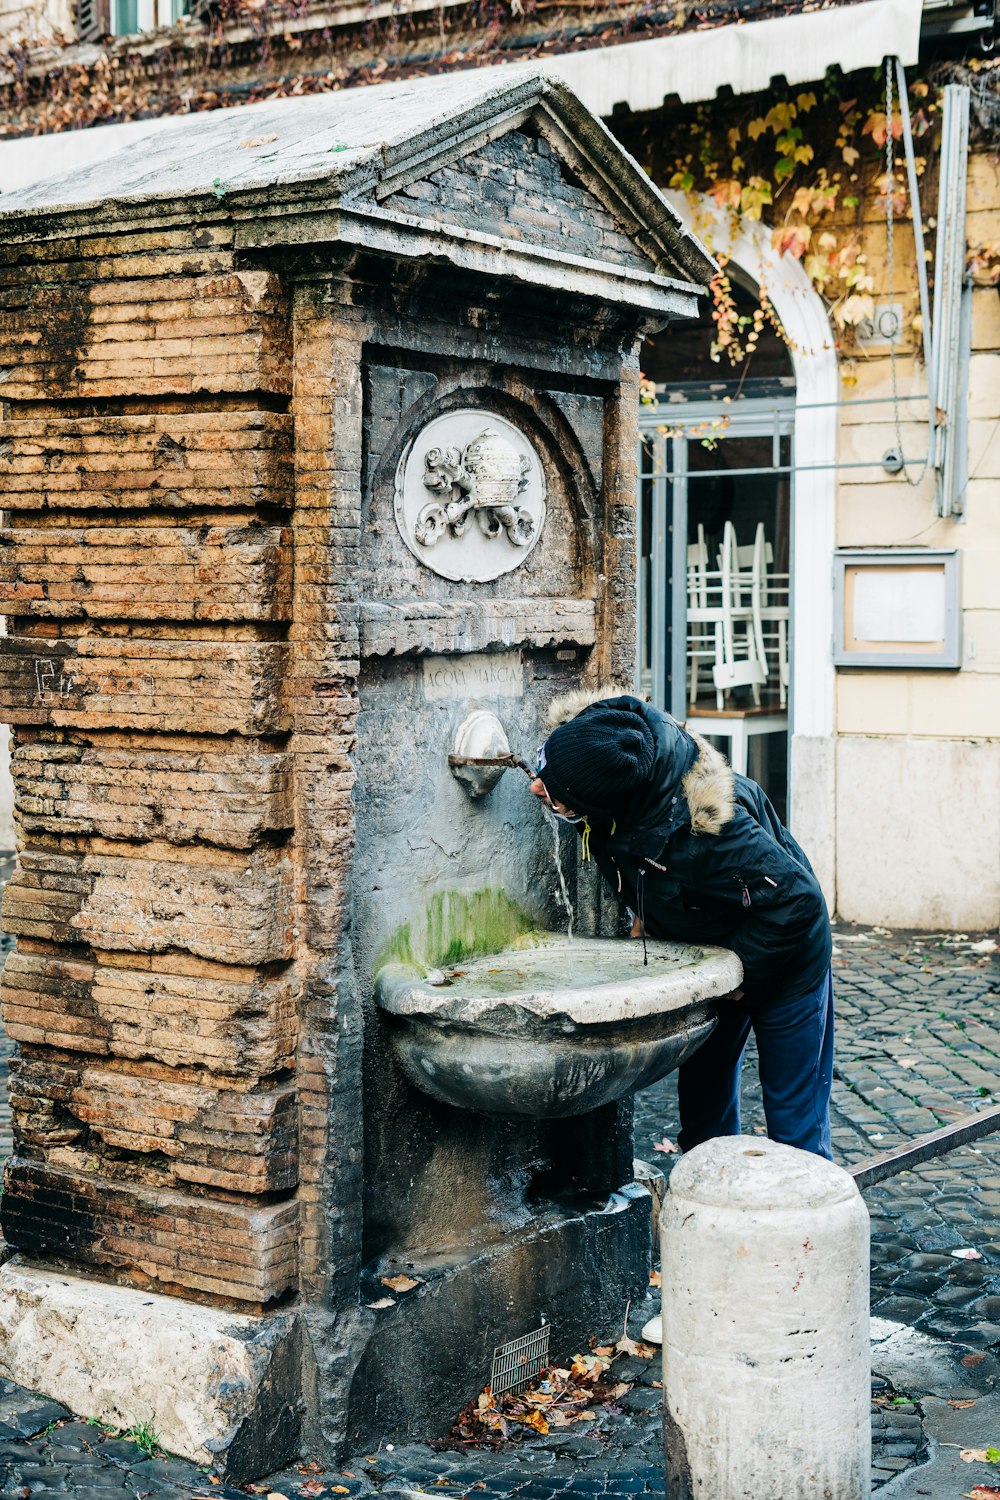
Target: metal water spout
x=482 y=754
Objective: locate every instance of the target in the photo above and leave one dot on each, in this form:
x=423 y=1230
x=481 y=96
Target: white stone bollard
x=766 y=1363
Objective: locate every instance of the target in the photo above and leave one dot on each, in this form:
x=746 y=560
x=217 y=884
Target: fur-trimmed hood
x=708 y=786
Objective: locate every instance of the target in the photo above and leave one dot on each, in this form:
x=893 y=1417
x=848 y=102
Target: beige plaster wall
x=918 y=753
x=917 y=823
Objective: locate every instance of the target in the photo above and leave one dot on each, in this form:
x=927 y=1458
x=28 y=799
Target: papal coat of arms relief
x=470 y=496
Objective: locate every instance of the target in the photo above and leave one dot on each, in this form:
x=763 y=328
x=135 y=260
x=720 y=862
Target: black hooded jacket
x=705 y=859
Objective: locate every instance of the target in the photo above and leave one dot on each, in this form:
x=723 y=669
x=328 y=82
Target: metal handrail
x=926 y=1147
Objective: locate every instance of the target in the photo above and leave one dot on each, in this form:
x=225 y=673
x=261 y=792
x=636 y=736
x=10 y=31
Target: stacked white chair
x=737 y=617
x=771 y=604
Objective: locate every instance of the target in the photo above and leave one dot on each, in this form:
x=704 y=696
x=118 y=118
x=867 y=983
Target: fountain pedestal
x=527 y=1059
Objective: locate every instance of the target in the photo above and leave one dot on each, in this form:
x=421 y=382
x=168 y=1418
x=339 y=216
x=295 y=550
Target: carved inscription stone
x=490 y=675
x=470 y=496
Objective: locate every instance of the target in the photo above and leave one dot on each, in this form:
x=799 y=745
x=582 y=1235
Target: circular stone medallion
x=470 y=496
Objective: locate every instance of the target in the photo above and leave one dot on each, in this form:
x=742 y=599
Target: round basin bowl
x=554 y=1029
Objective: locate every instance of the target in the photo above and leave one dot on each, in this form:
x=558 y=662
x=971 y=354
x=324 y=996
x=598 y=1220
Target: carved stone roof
x=341 y=167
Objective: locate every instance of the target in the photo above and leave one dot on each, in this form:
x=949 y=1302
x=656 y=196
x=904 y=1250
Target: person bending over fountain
x=700 y=856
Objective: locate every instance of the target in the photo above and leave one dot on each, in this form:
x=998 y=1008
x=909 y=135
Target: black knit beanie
x=598 y=762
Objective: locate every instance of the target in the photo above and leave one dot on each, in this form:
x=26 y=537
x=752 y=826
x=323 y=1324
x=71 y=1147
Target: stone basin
x=557 y=1027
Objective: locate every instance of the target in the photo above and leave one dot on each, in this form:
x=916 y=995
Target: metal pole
x=969 y=1128
x=678 y=595
x=950 y=369
x=927 y=335
x=659 y=564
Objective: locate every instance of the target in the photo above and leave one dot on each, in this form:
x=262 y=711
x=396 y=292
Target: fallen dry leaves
x=559 y=1397
x=982 y=1492
x=635 y=1347
x=666 y=1146
x=400 y=1283
x=980 y=1455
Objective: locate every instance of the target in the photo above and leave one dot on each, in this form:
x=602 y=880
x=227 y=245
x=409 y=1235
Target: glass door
x=714 y=476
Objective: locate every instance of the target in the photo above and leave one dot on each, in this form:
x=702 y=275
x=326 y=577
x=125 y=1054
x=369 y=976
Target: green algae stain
x=456 y=925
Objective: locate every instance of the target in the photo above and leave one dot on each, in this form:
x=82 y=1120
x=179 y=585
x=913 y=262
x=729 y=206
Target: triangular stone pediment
x=519 y=187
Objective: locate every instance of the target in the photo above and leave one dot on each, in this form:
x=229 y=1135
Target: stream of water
x=553 y=823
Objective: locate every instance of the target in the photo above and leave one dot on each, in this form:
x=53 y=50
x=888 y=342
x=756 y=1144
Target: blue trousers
x=795 y=1052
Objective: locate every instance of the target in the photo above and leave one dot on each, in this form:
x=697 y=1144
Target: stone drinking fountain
x=320 y=464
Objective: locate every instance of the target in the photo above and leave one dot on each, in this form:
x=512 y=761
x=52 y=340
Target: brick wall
x=146 y=573
x=518 y=189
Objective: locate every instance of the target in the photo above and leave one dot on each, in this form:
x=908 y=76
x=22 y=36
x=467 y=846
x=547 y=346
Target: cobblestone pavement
x=918 y=1044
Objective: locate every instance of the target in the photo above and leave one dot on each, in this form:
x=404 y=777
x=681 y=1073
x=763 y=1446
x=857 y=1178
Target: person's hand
x=636 y=928
x=732 y=995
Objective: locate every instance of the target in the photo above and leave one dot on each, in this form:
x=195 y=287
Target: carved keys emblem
x=469 y=497
x=481 y=484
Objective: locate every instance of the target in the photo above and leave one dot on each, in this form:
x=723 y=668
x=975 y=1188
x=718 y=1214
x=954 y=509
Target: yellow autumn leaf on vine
x=817 y=268
x=876 y=126
x=726 y=192
x=856 y=308
x=756 y=128
x=803 y=153
x=802 y=200
x=780 y=116
x=792 y=239
x=850 y=155
x=754 y=196
x=826 y=240
x=806 y=102
x=734 y=137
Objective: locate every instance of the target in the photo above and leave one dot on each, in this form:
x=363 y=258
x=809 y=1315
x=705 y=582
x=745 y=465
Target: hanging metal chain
x=890 y=184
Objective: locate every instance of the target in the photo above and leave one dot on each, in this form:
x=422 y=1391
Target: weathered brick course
x=169 y=1008
x=177 y=1131
x=232 y=797
x=239 y=571
x=228 y=908
x=48 y=340
x=159 y=460
x=218 y=687
x=165 y=1239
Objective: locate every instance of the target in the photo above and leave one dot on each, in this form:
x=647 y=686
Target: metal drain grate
x=516 y=1364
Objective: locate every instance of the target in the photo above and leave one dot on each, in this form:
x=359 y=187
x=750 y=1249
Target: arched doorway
x=779 y=423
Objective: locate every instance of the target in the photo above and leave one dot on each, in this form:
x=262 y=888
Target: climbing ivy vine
x=810 y=164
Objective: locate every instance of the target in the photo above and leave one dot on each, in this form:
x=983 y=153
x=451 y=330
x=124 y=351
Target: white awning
x=696 y=64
